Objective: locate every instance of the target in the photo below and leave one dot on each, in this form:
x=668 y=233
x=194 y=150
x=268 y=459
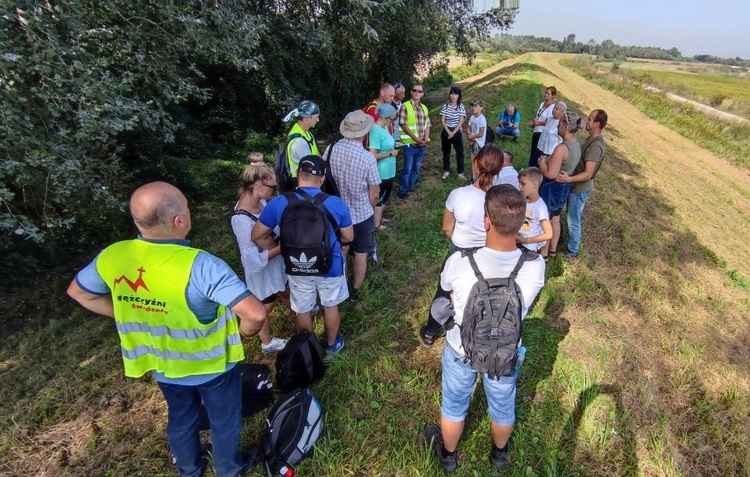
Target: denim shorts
x=459 y=381
x=555 y=195
x=364 y=236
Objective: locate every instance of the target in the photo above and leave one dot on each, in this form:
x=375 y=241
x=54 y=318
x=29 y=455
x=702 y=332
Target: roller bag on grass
x=300 y=363
x=295 y=423
x=257 y=392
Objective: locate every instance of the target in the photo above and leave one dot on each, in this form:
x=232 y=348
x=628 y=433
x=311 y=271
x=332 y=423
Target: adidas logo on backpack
x=492 y=321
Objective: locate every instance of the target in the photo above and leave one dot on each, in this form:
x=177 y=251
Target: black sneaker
x=251 y=458
x=435 y=441
x=426 y=338
x=499 y=457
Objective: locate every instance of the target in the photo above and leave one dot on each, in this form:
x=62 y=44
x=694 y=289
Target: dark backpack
x=300 y=363
x=305 y=234
x=257 y=392
x=330 y=186
x=489 y=135
x=295 y=423
x=492 y=321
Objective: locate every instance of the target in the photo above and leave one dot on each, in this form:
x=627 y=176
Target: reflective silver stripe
x=141 y=351
x=162 y=330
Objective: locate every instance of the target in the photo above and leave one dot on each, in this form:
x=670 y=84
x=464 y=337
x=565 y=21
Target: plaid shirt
x=355 y=170
x=423 y=121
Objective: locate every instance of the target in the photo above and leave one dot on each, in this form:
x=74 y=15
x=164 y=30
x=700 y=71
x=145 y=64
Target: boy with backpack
x=481 y=341
x=312 y=227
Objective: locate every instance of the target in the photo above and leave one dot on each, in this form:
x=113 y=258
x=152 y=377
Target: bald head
x=160 y=211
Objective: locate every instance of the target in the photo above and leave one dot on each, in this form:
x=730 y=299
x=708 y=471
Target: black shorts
x=269 y=299
x=364 y=236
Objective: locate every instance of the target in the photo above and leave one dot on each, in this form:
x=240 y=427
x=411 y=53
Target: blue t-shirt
x=381 y=141
x=271 y=217
x=212 y=283
x=508 y=119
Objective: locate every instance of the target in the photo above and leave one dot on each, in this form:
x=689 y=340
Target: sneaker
x=353 y=293
x=569 y=255
x=402 y=195
x=251 y=457
x=337 y=345
x=435 y=441
x=462 y=177
x=499 y=457
x=427 y=339
x=276 y=345
x=446 y=174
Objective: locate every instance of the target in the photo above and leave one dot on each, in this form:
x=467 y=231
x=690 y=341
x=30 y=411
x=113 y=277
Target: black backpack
x=492 y=321
x=330 y=186
x=489 y=135
x=300 y=363
x=305 y=234
x=257 y=392
x=295 y=423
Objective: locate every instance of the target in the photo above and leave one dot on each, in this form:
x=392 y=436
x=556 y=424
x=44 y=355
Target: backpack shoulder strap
x=317 y=201
x=246 y=214
x=330 y=150
x=525 y=255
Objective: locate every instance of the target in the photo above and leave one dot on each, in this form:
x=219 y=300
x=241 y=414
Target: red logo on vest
x=133 y=284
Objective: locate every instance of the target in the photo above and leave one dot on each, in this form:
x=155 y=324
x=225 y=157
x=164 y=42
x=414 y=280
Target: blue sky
x=717 y=27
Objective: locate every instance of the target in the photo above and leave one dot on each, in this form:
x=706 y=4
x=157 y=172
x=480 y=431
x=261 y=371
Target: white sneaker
x=461 y=176
x=276 y=345
x=446 y=174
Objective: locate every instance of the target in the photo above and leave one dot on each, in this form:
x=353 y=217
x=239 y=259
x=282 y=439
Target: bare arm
x=554 y=163
x=374 y=194
x=460 y=123
x=449 y=223
x=262 y=236
x=99 y=304
x=347 y=234
x=588 y=171
x=252 y=314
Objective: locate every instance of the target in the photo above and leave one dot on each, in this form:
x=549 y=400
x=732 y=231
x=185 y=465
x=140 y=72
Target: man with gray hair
x=176 y=310
x=508 y=123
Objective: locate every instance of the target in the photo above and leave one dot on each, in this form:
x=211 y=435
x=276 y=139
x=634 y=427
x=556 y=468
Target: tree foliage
x=100 y=96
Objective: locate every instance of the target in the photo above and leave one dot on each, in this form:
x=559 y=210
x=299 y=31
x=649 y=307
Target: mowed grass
x=637 y=364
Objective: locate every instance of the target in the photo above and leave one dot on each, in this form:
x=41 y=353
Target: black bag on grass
x=257 y=392
x=300 y=363
x=295 y=423
x=489 y=135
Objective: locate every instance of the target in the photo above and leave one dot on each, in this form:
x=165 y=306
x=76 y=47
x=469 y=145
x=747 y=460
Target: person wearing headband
x=300 y=141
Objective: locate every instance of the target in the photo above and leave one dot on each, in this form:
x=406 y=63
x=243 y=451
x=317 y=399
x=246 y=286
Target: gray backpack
x=492 y=321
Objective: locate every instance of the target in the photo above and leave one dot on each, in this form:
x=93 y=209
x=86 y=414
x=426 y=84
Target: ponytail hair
x=256 y=171
x=573 y=121
x=489 y=161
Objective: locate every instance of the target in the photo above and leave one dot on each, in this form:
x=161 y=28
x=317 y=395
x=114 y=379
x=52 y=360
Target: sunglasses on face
x=274 y=187
x=417 y=91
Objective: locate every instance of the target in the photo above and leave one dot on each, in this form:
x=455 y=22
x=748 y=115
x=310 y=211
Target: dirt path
x=700 y=106
x=709 y=195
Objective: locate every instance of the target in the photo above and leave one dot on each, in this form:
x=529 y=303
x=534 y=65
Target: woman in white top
x=463 y=222
x=542 y=115
x=550 y=137
x=264 y=269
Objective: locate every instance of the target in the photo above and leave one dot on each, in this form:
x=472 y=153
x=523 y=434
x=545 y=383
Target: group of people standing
x=181 y=313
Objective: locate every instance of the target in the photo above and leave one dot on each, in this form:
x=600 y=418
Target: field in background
x=638 y=356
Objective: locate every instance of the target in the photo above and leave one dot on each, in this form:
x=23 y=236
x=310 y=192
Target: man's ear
x=487 y=223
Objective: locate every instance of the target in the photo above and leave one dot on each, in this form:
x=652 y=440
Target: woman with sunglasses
x=382 y=147
x=264 y=269
x=565 y=157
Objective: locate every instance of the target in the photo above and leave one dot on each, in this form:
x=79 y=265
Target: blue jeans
x=413 y=156
x=576 y=203
x=222 y=397
x=506 y=131
x=458 y=384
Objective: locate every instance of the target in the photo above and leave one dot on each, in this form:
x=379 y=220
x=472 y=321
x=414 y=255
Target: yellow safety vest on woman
x=411 y=121
x=307 y=136
x=157 y=329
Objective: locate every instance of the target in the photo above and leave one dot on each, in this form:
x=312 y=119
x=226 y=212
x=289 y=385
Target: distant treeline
x=606 y=49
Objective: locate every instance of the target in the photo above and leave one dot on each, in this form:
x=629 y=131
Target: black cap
x=314 y=165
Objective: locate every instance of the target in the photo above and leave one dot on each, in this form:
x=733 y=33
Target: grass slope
x=637 y=364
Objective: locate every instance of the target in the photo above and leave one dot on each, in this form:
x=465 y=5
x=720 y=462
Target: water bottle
x=521 y=356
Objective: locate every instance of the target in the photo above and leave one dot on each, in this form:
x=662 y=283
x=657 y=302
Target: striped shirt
x=452 y=114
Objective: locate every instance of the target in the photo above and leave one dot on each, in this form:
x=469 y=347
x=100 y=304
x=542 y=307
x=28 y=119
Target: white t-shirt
x=467 y=205
x=543 y=114
x=532 y=224
x=459 y=278
x=507 y=175
x=263 y=277
x=475 y=124
x=549 y=139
